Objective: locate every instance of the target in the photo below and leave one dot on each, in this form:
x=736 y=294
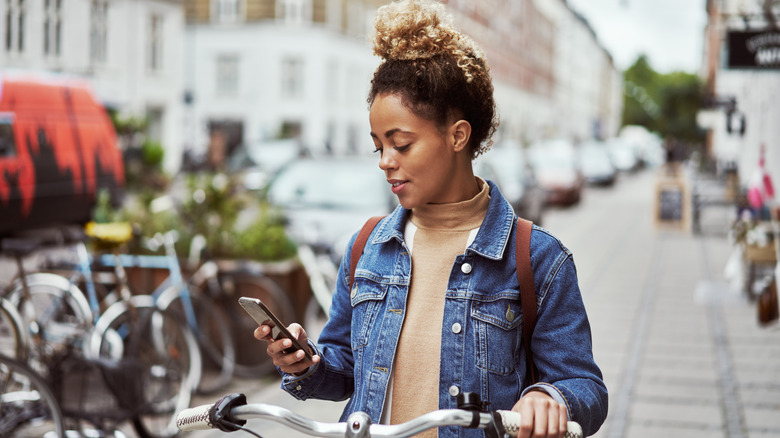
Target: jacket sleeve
x=333 y=377
x=562 y=345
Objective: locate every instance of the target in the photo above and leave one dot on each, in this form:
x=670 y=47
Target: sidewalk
x=682 y=354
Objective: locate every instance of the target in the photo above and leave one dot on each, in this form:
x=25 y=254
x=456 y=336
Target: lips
x=397 y=185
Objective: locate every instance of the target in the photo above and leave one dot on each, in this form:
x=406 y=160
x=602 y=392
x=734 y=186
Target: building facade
x=257 y=70
x=742 y=71
x=130 y=51
x=262 y=69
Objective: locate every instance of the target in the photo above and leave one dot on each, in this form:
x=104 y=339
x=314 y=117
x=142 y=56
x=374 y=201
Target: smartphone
x=263 y=316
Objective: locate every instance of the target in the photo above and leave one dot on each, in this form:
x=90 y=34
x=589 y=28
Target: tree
x=664 y=103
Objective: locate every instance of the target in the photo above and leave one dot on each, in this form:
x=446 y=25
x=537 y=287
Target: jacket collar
x=492 y=238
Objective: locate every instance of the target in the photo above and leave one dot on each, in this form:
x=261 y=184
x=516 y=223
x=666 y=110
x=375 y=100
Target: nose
x=386 y=161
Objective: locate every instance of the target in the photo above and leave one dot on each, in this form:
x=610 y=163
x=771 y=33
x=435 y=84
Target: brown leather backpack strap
x=360 y=243
x=525 y=277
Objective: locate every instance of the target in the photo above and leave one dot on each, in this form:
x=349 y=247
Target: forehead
x=388 y=112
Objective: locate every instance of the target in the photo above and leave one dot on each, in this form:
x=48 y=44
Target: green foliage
x=153 y=153
x=212 y=206
x=266 y=238
x=104 y=211
x=664 y=103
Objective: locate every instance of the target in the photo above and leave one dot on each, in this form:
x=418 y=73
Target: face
x=421 y=161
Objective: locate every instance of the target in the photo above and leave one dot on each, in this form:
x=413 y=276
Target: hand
x=541 y=416
x=291 y=363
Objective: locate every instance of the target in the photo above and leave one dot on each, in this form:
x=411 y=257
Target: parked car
x=558 y=171
x=509 y=168
x=256 y=162
x=58 y=150
x=596 y=163
x=327 y=199
x=623 y=155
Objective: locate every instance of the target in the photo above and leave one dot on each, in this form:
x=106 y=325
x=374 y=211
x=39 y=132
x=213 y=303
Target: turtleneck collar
x=464 y=215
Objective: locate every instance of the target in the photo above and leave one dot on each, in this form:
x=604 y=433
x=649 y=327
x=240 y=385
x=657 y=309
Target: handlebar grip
x=511 y=422
x=196 y=418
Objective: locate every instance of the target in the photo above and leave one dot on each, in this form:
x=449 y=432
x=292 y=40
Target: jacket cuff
x=552 y=391
x=299 y=386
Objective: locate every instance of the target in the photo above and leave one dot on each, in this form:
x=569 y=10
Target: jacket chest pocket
x=498 y=333
x=366 y=298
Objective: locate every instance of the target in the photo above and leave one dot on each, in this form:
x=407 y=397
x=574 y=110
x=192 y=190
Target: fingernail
x=299 y=354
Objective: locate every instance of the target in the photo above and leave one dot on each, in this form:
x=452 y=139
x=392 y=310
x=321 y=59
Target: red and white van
x=58 y=148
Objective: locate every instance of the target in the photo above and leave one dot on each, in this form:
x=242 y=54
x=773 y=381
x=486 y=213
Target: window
x=294 y=11
x=225 y=11
x=52 y=27
x=155 y=46
x=14 y=25
x=7 y=143
x=227 y=75
x=292 y=77
x=98 y=30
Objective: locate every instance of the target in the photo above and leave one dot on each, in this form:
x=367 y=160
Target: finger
x=563 y=419
x=526 y=410
x=300 y=334
x=263 y=333
x=541 y=418
x=553 y=420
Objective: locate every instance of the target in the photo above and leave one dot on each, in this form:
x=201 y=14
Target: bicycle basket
x=96 y=389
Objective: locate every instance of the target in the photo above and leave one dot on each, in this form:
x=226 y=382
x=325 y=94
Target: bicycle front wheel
x=28 y=407
x=211 y=328
x=13 y=335
x=139 y=331
x=54 y=311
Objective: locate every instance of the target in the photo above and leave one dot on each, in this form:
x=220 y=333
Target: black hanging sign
x=754 y=49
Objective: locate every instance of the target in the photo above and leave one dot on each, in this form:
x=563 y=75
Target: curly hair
x=439 y=73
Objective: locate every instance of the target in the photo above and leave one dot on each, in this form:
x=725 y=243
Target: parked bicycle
x=232 y=412
x=28 y=408
x=133 y=339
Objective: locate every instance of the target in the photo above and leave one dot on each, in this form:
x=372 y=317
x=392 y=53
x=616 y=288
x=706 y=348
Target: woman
x=434 y=310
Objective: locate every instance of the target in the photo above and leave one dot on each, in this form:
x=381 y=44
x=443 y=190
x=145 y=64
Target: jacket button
x=456 y=327
x=466 y=268
x=298 y=388
x=454 y=390
x=353 y=294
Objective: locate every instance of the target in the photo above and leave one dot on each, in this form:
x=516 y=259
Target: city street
x=682 y=354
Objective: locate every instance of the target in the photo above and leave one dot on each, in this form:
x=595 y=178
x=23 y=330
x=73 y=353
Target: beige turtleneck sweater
x=436 y=234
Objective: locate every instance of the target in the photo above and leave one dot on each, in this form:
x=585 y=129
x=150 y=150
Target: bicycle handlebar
x=231 y=412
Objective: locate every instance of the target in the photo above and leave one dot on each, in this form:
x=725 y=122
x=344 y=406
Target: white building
x=131 y=51
x=742 y=67
x=263 y=69
x=588 y=99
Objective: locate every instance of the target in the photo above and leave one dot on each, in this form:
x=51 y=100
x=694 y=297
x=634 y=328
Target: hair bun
x=419 y=29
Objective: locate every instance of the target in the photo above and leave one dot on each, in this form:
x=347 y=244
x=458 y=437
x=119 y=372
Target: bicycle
x=133 y=330
x=188 y=301
x=53 y=311
x=28 y=408
x=232 y=411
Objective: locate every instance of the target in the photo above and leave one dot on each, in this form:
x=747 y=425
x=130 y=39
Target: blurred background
x=244 y=124
x=243 y=86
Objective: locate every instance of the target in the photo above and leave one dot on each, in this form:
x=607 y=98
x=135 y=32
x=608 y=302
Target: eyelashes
x=398 y=148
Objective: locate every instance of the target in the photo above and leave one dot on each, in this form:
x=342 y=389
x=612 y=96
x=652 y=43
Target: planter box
x=760 y=254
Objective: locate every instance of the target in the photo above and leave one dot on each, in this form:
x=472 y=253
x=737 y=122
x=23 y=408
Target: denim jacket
x=481 y=333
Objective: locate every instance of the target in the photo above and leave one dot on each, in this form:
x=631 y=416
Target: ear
x=460 y=133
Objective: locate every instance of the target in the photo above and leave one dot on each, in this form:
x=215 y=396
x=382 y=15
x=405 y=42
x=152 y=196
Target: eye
x=402 y=148
x=378 y=151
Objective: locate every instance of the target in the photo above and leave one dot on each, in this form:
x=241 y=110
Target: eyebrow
x=391 y=132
